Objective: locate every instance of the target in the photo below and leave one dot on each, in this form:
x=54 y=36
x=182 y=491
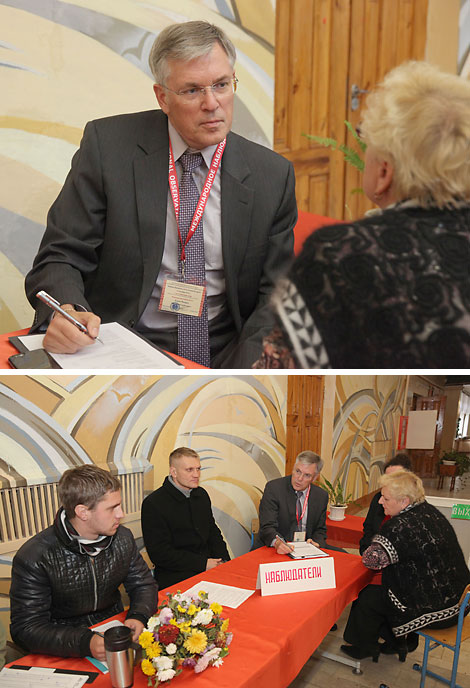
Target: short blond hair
x=418 y=119
x=181 y=452
x=403 y=484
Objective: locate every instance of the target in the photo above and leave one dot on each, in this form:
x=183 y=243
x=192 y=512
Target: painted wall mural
x=63 y=63
x=366 y=421
x=129 y=424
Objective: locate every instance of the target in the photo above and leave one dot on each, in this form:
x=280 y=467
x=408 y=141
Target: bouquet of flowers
x=186 y=631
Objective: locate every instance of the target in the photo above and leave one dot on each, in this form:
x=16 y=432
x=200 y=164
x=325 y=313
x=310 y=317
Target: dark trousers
x=368 y=621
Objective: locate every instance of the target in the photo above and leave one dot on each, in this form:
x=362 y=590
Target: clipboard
x=38 y=358
x=91 y=674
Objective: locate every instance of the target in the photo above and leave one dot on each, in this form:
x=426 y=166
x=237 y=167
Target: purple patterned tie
x=193 y=331
x=298 y=509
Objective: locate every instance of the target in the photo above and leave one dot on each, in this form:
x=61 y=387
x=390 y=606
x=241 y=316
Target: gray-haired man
x=113 y=245
x=294 y=507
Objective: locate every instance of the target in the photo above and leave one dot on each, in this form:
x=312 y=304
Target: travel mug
x=120 y=656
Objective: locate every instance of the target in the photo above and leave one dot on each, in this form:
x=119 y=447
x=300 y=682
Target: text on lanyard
x=299 y=520
x=201 y=204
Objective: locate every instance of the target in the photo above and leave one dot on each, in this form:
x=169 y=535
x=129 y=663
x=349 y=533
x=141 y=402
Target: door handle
x=356 y=93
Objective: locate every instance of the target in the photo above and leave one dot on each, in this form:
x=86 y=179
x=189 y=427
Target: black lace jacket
x=389 y=291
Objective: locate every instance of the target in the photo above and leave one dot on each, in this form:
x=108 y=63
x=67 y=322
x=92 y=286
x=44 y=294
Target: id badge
x=299 y=536
x=182 y=297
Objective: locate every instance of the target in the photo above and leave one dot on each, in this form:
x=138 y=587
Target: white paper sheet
x=305 y=550
x=121 y=349
x=226 y=595
x=101 y=664
x=39 y=677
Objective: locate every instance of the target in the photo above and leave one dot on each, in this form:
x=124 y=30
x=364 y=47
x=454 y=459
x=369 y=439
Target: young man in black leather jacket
x=66 y=578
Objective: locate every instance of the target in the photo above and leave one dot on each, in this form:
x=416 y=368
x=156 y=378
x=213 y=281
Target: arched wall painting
x=237 y=423
x=63 y=63
x=366 y=421
x=130 y=423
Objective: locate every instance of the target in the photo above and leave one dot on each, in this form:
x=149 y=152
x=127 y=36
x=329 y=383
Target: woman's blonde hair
x=418 y=119
x=403 y=484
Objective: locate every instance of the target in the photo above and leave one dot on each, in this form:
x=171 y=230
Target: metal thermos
x=120 y=656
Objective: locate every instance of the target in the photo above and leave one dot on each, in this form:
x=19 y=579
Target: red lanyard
x=299 y=520
x=201 y=204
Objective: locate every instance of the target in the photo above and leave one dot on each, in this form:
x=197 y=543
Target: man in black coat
x=67 y=577
x=375 y=515
x=281 y=512
x=180 y=533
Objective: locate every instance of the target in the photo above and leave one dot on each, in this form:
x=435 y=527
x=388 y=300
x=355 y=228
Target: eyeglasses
x=220 y=89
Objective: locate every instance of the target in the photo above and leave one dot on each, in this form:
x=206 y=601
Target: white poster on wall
x=421 y=432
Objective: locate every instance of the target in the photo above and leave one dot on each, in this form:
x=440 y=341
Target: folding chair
x=448 y=637
x=254 y=529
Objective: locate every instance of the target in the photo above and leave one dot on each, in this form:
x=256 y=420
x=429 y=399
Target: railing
x=25 y=511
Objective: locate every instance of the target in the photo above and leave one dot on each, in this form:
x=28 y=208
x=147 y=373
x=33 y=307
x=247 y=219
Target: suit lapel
x=310 y=512
x=151 y=190
x=291 y=500
x=236 y=202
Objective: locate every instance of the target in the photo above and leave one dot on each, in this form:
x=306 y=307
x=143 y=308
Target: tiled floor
x=320 y=672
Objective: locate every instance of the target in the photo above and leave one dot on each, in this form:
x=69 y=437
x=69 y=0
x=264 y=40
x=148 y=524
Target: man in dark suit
x=376 y=514
x=112 y=238
x=294 y=507
x=180 y=534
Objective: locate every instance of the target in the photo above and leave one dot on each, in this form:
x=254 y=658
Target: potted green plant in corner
x=337 y=499
x=453 y=457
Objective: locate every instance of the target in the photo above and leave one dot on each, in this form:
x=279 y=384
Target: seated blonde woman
x=423 y=574
x=391 y=290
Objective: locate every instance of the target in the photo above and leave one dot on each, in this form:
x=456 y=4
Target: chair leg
x=452 y=683
x=425 y=661
x=455 y=664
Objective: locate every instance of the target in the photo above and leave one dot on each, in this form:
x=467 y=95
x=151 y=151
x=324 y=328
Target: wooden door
x=323 y=48
x=304 y=416
x=425 y=461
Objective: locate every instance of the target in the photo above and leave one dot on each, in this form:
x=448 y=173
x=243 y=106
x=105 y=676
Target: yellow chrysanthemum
x=154 y=650
x=181 y=609
x=191 y=609
x=224 y=626
x=146 y=639
x=173 y=622
x=185 y=627
x=196 y=642
x=216 y=607
x=148 y=668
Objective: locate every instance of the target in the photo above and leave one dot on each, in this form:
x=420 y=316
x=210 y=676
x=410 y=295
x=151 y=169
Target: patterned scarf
x=90 y=547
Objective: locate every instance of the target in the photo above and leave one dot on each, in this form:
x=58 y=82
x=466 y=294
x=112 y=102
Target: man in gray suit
x=294 y=507
x=112 y=237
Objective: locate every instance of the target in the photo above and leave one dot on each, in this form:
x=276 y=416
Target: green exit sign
x=461 y=511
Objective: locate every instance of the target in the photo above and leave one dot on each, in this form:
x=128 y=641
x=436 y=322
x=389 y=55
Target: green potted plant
x=350 y=155
x=337 y=498
x=453 y=457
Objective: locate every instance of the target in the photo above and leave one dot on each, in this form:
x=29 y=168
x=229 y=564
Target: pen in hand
x=55 y=306
x=279 y=537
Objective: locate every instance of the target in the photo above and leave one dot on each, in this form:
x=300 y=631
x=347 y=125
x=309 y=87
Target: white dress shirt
x=152 y=318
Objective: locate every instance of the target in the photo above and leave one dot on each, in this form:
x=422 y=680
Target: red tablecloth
x=7 y=349
x=346 y=533
x=273 y=636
